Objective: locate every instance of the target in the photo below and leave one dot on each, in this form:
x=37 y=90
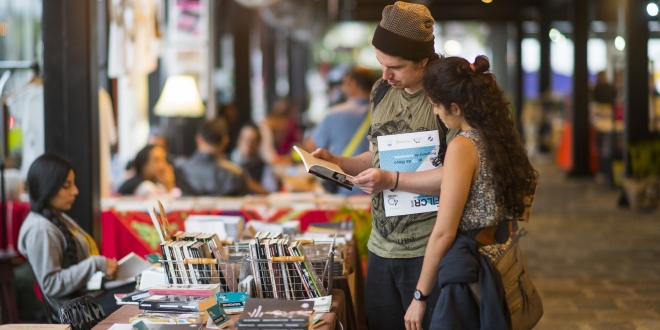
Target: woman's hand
x=374 y=180
x=414 y=315
x=111 y=268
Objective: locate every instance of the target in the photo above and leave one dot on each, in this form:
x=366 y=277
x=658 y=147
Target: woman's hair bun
x=481 y=64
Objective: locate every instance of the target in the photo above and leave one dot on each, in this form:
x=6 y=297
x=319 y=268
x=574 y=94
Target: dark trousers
x=107 y=298
x=389 y=290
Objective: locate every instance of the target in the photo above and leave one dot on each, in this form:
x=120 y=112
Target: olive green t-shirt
x=402 y=236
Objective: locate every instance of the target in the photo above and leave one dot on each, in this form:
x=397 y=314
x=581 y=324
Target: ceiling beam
x=474 y=11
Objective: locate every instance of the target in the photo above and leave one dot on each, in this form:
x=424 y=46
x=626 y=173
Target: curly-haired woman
x=486 y=174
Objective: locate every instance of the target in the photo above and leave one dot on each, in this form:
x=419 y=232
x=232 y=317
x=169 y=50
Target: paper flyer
x=409 y=152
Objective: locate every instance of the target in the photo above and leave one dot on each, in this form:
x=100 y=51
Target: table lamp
x=180 y=98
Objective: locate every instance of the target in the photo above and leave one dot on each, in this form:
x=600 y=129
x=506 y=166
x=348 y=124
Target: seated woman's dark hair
x=142 y=158
x=454 y=80
x=45 y=178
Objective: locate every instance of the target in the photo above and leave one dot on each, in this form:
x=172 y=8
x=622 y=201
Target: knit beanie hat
x=406 y=30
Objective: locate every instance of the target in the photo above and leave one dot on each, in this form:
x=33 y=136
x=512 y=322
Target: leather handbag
x=522 y=297
x=81 y=313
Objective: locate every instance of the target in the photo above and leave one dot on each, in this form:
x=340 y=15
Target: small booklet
x=129 y=267
x=324 y=169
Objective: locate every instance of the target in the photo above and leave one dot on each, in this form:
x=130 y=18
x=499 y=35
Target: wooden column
x=71 y=99
x=297 y=70
x=519 y=74
x=498 y=42
x=545 y=72
x=580 y=113
x=269 y=74
x=636 y=80
x=242 y=20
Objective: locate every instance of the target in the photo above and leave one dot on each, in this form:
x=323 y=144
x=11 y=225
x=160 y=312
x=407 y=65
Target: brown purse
x=521 y=295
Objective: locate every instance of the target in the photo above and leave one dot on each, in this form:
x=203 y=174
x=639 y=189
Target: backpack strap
x=381 y=90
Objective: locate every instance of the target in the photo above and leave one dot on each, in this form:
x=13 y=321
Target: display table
x=331 y=320
x=127 y=227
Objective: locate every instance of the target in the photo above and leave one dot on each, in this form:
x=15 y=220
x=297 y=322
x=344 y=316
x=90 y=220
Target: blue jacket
x=456 y=307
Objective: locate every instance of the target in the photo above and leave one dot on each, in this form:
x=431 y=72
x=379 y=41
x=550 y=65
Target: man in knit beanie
x=404 y=47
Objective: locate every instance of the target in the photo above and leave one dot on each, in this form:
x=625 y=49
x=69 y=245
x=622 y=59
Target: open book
x=324 y=169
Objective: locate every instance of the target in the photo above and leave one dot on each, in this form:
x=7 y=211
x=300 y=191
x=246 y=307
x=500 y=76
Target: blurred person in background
x=247 y=156
x=343 y=131
x=604 y=92
x=154 y=175
x=279 y=132
x=230 y=115
x=158 y=138
x=208 y=172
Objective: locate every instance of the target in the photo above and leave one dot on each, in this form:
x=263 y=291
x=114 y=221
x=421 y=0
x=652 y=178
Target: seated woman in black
x=62 y=255
x=153 y=174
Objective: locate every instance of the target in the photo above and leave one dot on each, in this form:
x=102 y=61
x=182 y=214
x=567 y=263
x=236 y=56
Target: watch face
x=418 y=294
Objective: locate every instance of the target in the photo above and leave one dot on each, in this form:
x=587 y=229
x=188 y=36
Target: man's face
x=400 y=73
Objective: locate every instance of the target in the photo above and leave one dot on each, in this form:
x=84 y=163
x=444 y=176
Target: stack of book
x=192 y=257
x=273 y=314
x=280 y=270
x=177 y=304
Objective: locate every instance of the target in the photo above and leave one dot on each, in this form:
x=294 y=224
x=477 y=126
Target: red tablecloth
x=16 y=213
x=124 y=232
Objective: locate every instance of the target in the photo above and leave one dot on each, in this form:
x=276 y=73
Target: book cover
x=409 y=152
x=324 y=169
x=274 y=311
x=177 y=303
x=196 y=290
x=170 y=318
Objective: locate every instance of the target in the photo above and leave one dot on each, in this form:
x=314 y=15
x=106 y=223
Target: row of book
x=180 y=304
x=197 y=258
x=188 y=304
x=280 y=269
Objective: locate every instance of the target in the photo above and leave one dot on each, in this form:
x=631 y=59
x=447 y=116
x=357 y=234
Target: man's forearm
x=425 y=182
x=355 y=165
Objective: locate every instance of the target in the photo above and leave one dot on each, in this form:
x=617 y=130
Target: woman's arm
x=44 y=251
x=460 y=166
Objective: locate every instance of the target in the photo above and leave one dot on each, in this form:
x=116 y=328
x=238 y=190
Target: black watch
x=418 y=295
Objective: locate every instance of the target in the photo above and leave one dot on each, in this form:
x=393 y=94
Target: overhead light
x=453 y=48
x=652 y=9
x=620 y=43
x=487 y=1
x=554 y=34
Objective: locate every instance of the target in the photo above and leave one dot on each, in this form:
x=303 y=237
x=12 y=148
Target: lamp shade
x=180 y=98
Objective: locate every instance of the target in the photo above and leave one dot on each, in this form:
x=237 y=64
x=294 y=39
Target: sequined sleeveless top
x=481 y=209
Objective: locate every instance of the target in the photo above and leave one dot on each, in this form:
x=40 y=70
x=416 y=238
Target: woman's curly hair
x=454 y=80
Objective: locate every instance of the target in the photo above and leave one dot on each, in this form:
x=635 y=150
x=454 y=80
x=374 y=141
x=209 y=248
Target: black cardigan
x=456 y=307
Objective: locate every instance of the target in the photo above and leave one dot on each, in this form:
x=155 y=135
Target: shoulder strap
x=358 y=136
x=381 y=90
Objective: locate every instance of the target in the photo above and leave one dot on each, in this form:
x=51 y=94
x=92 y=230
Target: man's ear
x=424 y=62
